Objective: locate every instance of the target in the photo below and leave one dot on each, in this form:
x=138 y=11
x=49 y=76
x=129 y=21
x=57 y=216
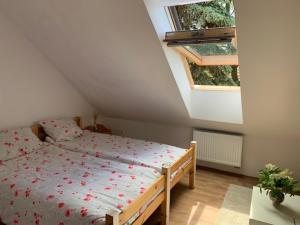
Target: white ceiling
x=109 y=50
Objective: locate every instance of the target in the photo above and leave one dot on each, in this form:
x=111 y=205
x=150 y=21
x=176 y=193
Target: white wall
x=257 y=150
x=175 y=135
x=161 y=24
x=219 y=106
x=269 y=53
x=30 y=87
x=97 y=46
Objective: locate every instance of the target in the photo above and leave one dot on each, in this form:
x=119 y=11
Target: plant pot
x=276 y=197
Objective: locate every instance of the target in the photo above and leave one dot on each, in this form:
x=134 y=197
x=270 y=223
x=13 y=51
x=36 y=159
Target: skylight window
x=211 y=61
x=212 y=49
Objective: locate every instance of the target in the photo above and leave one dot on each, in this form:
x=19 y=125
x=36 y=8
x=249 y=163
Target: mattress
x=53 y=186
x=124 y=149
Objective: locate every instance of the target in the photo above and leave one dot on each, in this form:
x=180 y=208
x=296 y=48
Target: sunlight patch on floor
x=234 y=217
x=199 y=214
x=192 y=214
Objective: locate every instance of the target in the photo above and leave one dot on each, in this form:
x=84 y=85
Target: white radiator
x=219 y=147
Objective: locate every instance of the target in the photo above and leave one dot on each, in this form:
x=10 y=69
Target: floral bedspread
x=53 y=186
x=123 y=149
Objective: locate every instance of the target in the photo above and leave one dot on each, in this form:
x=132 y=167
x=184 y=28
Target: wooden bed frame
x=186 y=164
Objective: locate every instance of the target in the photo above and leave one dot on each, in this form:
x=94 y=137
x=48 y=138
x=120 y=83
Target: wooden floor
x=201 y=205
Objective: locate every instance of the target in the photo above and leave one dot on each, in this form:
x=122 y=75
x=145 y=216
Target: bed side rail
x=189 y=160
x=162 y=199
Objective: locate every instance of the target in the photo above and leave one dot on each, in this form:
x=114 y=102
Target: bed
x=52 y=186
x=134 y=152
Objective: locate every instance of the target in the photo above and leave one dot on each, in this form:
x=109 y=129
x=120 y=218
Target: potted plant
x=277 y=182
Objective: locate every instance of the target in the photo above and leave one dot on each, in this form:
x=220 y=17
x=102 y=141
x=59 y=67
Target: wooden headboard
x=41 y=134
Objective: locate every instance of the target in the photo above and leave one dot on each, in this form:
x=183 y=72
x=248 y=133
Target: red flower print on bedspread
x=53 y=186
x=123 y=149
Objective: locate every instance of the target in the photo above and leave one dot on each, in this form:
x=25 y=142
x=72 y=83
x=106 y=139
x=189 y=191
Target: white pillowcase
x=17 y=142
x=61 y=130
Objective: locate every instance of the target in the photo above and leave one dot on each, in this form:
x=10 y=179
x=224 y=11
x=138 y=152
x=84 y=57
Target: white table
x=263 y=212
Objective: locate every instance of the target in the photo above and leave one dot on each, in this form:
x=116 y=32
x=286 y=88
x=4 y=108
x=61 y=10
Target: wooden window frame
x=212 y=60
x=204 y=87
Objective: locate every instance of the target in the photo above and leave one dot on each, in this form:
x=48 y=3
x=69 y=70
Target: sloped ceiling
x=109 y=50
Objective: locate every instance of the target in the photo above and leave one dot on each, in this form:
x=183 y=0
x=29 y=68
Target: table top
x=264 y=212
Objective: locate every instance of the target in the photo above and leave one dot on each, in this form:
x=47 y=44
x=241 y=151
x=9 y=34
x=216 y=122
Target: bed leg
x=112 y=218
x=192 y=174
x=165 y=206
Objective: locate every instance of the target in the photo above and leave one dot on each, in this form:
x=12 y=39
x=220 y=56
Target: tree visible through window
x=211 y=14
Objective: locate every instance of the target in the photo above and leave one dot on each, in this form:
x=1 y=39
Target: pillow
x=61 y=130
x=17 y=142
